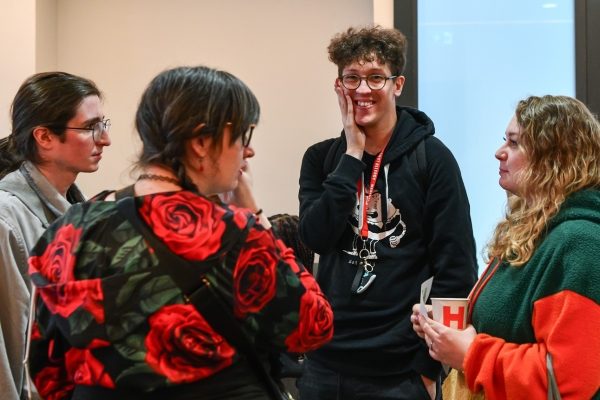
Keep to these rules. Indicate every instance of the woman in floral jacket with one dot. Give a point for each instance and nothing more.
(110, 324)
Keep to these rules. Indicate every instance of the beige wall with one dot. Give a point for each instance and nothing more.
(278, 47)
(17, 50)
(45, 35)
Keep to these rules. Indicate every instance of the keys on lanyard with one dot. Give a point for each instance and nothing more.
(364, 275)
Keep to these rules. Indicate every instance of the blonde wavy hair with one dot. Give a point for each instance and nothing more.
(561, 140)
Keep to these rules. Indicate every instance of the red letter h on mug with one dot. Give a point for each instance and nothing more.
(458, 317)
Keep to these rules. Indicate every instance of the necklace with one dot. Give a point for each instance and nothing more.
(155, 177)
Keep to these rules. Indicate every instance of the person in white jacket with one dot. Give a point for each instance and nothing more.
(58, 131)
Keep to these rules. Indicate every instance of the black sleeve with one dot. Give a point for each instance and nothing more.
(449, 237)
(326, 200)
(451, 246)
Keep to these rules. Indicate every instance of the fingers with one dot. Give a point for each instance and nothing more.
(345, 103)
(355, 137)
(447, 345)
(341, 100)
(431, 327)
(415, 309)
(431, 331)
(349, 109)
(414, 318)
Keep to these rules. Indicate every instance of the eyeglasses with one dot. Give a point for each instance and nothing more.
(374, 82)
(97, 128)
(247, 136)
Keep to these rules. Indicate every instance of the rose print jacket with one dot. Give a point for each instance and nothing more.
(105, 316)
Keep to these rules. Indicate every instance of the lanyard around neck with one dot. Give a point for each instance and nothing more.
(364, 231)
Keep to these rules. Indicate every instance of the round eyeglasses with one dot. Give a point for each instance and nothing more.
(97, 129)
(374, 81)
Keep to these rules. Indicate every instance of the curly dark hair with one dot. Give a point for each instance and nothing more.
(285, 226)
(387, 46)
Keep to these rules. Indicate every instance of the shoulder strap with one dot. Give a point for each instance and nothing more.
(418, 164)
(219, 316)
(119, 194)
(127, 191)
(553, 393)
(205, 299)
(329, 163)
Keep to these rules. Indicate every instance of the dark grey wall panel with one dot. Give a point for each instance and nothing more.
(405, 20)
(587, 52)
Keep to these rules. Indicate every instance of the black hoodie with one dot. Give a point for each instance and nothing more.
(424, 230)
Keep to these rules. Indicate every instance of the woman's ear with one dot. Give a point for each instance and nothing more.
(200, 146)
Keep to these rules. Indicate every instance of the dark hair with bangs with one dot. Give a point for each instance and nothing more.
(185, 102)
(388, 46)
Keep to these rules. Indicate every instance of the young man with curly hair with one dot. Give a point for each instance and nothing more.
(385, 207)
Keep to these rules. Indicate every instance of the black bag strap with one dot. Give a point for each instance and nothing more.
(333, 154)
(127, 191)
(553, 392)
(205, 299)
(418, 164)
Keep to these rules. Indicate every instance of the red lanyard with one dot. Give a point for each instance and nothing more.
(364, 231)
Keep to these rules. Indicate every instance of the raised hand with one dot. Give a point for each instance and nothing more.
(242, 195)
(414, 319)
(355, 137)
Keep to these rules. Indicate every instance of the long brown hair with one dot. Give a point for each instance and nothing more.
(45, 99)
(561, 139)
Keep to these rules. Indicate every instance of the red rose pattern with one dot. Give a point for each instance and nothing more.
(35, 331)
(51, 385)
(57, 262)
(190, 225)
(315, 322)
(85, 369)
(180, 343)
(240, 216)
(287, 254)
(255, 274)
(183, 347)
(65, 299)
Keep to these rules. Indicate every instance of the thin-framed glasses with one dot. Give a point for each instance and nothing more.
(97, 129)
(374, 81)
(247, 136)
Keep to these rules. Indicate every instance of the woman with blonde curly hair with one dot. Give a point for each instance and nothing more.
(536, 309)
